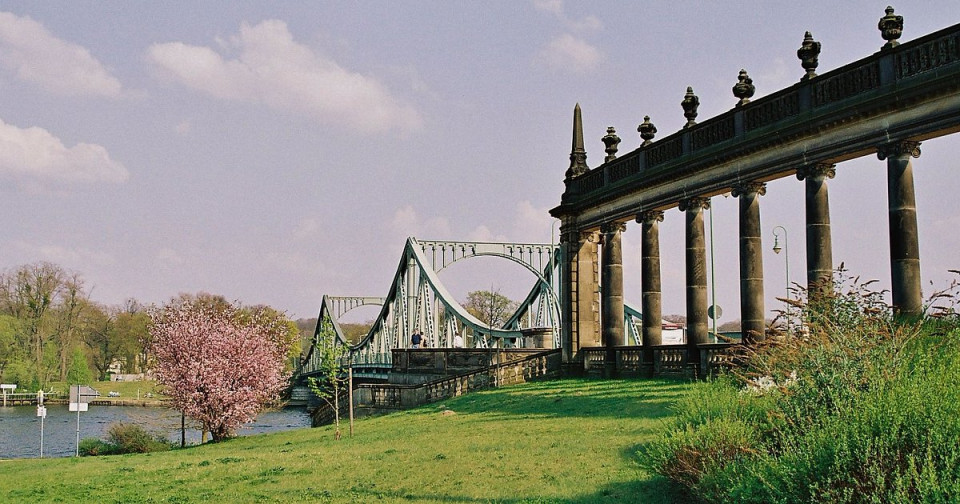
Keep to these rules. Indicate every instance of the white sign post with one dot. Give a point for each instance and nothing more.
(42, 413)
(80, 395)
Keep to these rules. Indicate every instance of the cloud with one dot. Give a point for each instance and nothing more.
(33, 155)
(71, 257)
(61, 67)
(534, 225)
(184, 127)
(406, 223)
(275, 70)
(483, 234)
(567, 52)
(555, 7)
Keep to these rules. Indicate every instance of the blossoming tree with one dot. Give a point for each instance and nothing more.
(218, 363)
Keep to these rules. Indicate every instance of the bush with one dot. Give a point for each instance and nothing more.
(125, 438)
(92, 447)
(131, 438)
(859, 407)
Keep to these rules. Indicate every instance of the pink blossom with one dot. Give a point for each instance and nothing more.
(217, 366)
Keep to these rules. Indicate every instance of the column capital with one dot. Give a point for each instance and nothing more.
(650, 216)
(746, 188)
(694, 203)
(613, 227)
(589, 237)
(825, 170)
(899, 149)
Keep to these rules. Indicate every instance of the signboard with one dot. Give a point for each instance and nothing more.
(80, 395)
(8, 386)
(42, 411)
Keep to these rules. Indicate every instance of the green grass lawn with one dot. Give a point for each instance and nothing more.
(569, 441)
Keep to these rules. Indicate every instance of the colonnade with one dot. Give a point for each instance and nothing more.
(884, 103)
(592, 293)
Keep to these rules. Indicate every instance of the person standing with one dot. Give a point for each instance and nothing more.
(416, 340)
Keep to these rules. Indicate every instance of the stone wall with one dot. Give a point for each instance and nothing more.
(518, 366)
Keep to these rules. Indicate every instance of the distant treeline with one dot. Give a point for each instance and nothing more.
(51, 331)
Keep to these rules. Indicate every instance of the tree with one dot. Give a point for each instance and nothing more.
(78, 373)
(28, 293)
(490, 307)
(66, 314)
(101, 337)
(327, 384)
(219, 366)
(132, 332)
(10, 351)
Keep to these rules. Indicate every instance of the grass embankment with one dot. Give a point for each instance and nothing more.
(571, 441)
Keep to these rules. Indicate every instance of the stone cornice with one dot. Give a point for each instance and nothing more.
(910, 92)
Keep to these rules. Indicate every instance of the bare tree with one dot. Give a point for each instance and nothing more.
(490, 307)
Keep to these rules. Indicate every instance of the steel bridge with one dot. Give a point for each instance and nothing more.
(418, 302)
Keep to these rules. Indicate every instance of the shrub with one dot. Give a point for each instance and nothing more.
(858, 407)
(125, 438)
(92, 447)
(131, 438)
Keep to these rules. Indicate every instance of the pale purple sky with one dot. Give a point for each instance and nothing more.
(273, 152)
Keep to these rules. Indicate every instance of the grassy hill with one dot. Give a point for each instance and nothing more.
(570, 441)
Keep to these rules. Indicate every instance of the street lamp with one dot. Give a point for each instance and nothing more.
(786, 257)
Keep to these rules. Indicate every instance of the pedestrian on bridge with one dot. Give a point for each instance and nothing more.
(416, 340)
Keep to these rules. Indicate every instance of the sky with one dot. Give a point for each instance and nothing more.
(275, 152)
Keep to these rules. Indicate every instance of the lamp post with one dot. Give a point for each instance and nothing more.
(713, 283)
(786, 256)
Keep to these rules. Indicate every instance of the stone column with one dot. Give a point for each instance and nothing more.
(569, 245)
(650, 286)
(819, 243)
(752, 321)
(696, 261)
(612, 293)
(904, 238)
(579, 293)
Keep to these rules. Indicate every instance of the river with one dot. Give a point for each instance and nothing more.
(20, 426)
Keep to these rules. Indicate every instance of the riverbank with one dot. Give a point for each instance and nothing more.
(20, 427)
(559, 441)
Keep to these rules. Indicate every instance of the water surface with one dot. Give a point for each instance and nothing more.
(20, 426)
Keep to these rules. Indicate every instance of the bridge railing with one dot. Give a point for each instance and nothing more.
(662, 360)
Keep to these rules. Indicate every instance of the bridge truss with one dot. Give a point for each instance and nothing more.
(417, 301)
